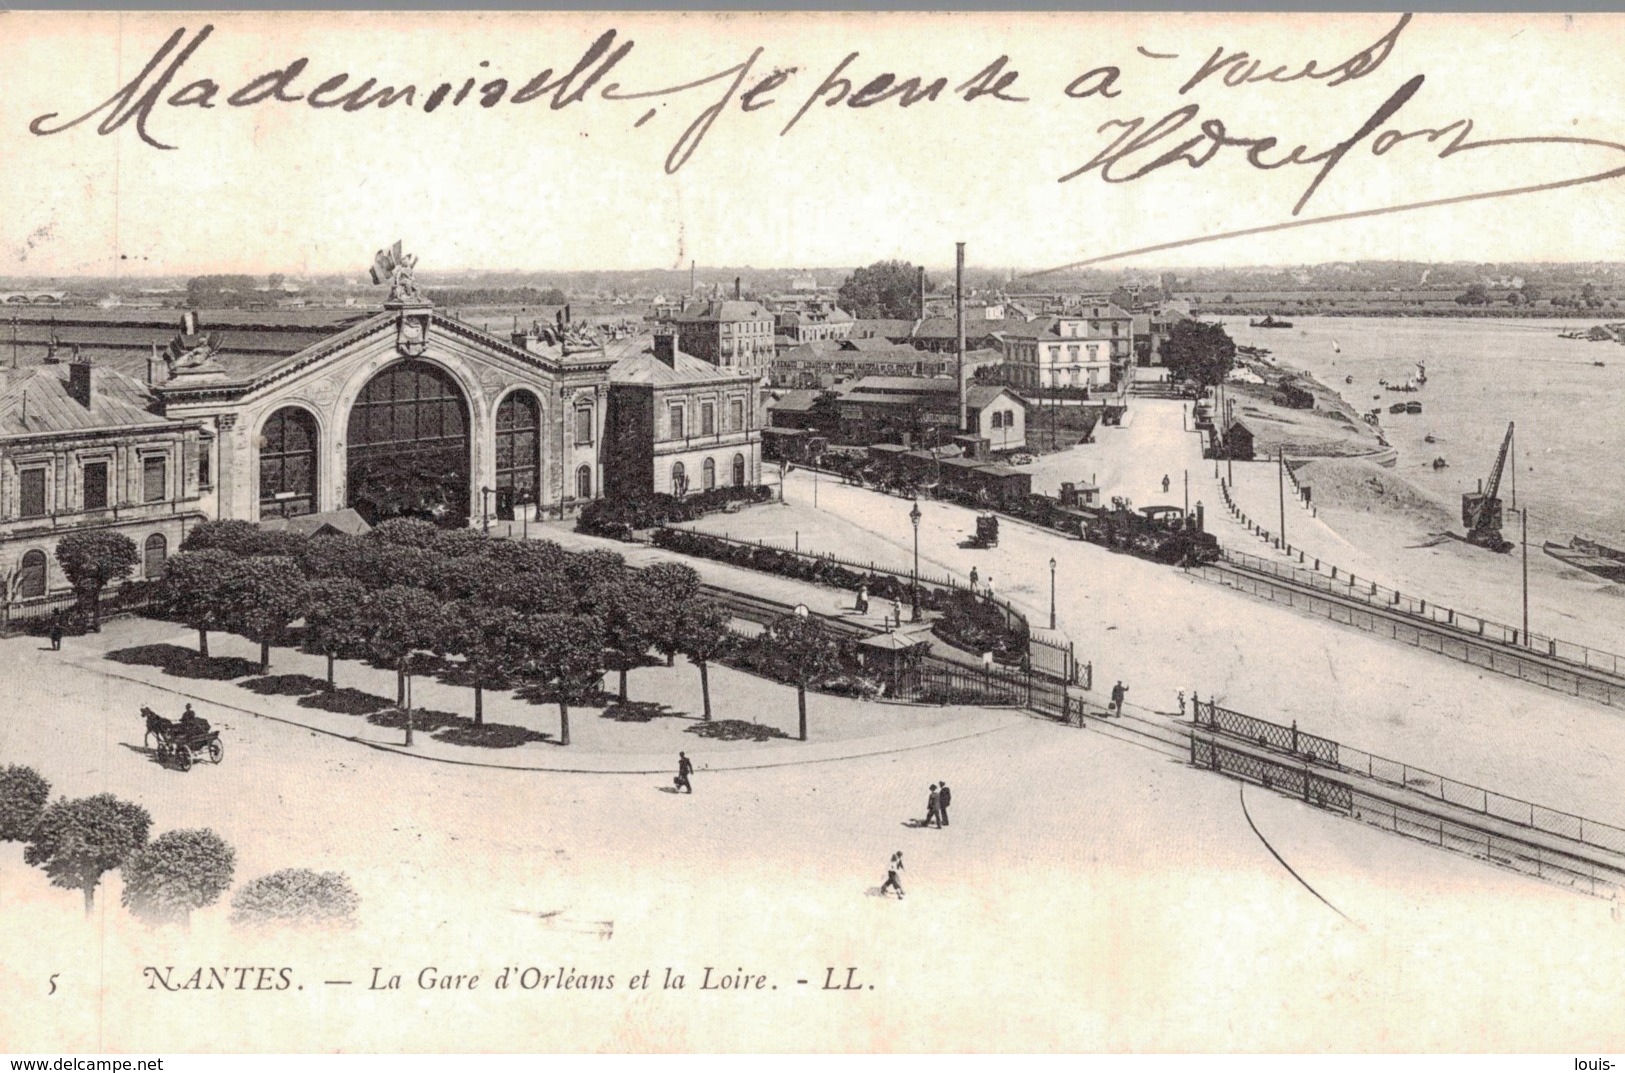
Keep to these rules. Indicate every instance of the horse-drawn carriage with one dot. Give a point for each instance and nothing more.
(182, 742)
(987, 532)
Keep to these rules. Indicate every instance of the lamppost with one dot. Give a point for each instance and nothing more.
(1052, 594)
(914, 517)
(485, 509)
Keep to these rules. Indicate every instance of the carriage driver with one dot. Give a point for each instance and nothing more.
(192, 725)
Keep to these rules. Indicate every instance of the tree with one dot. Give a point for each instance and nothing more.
(491, 642)
(296, 896)
(93, 559)
(77, 842)
(275, 281)
(675, 587)
(802, 649)
(195, 585)
(23, 794)
(567, 656)
(398, 622)
(263, 595)
(179, 871)
(334, 626)
(886, 290)
(1199, 350)
(705, 636)
(626, 609)
(1476, 294)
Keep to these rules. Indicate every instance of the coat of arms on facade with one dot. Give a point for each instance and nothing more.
(395, 268)
(412, 334)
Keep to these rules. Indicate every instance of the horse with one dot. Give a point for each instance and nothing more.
(157, 726)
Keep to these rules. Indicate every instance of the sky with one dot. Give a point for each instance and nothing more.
(283, 186)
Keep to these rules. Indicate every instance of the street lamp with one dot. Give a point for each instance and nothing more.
(914, 516)
(485, 509)
(1052, 594)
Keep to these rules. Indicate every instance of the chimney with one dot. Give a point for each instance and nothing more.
(189, 323)
(157, 368)
(666, 348)
(738, 294)
(959, 331)
(921, 295)
(519, 337)
(79, 379)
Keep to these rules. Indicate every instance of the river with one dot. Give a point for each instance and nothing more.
(1483, 373)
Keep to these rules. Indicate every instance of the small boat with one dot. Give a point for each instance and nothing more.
(1440, 463)
(1588, 555)
(1397, 408)
(1348, 379)
(1413, 407)
(1429, 438)
(1600, 364)
(1269, 322)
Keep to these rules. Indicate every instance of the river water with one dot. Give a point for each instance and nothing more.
(1483, 373)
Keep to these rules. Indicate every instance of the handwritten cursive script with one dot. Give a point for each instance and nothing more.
(1135, 147)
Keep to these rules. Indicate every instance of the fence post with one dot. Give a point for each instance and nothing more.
(1193, 750)
(1294, 735)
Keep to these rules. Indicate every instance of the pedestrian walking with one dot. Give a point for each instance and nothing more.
(933, 808)
(973, 581)
(56, 637)
(1119, 691)
(943, 798)
(685, 768)
(863, 600)
(897, 611)
(894, 871)
(1165, 482)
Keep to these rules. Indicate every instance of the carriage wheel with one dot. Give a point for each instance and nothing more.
(217, 752)
(183, 757)
(163, 751)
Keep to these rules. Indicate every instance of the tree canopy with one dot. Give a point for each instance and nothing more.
(176, 873)
(1200, 351)
(76, 842)
(93, 559)
(23, 795)
(296, 897)
(886, 290)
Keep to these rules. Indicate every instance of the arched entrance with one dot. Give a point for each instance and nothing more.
(407, 450)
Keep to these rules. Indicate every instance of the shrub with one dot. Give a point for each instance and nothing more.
(176, 873)
(23, 795)
(296, 897)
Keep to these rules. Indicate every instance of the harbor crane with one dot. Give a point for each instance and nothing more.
(1481, 510)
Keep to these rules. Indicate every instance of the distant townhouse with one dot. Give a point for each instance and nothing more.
(1091, 349)
(914, 411)
(732, 334)
(806, 320)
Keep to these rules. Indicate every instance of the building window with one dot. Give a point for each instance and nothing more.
(154, 553)
(1009, 419)
(584, 482)
(1072, 353)
(679, 479)
(1115, 327)
(33, 493)
(154, 479)
(998, 419)
(677, 423)
(709, 471)
(205, 454)
(739, 471)
(519, 440)
(31, 575)
(583, 425)
(708, 418)
(287, 463)
(95, 485)
(736, 415)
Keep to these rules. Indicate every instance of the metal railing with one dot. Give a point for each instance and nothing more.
(1328, 753)
(1327, 577)
(1292, 589)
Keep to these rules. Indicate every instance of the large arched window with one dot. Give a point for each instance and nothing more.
(679, 479)
(709, 469)
(154, 553)
(408, 445)
(32, 575)
(739, 471)
(519, 442)
(584, 482)
(288, 463)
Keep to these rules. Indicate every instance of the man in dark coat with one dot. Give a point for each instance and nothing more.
(933, 808)
(1118, 692)
(56, 637)
(893, 881)
(685, 768)
(943, 798)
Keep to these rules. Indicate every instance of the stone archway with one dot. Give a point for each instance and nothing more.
(408, 448)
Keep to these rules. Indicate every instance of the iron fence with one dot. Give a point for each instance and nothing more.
(1287, 739)
(1271, 774)
(21, 616)
(1586, 683)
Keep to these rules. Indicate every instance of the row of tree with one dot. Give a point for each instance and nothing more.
(78, 841)
(491, 613)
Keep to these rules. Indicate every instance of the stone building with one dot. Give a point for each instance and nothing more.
(728, 333)
(677, 424)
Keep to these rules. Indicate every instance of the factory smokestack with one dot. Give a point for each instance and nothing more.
(959, 331)
(921, 294)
